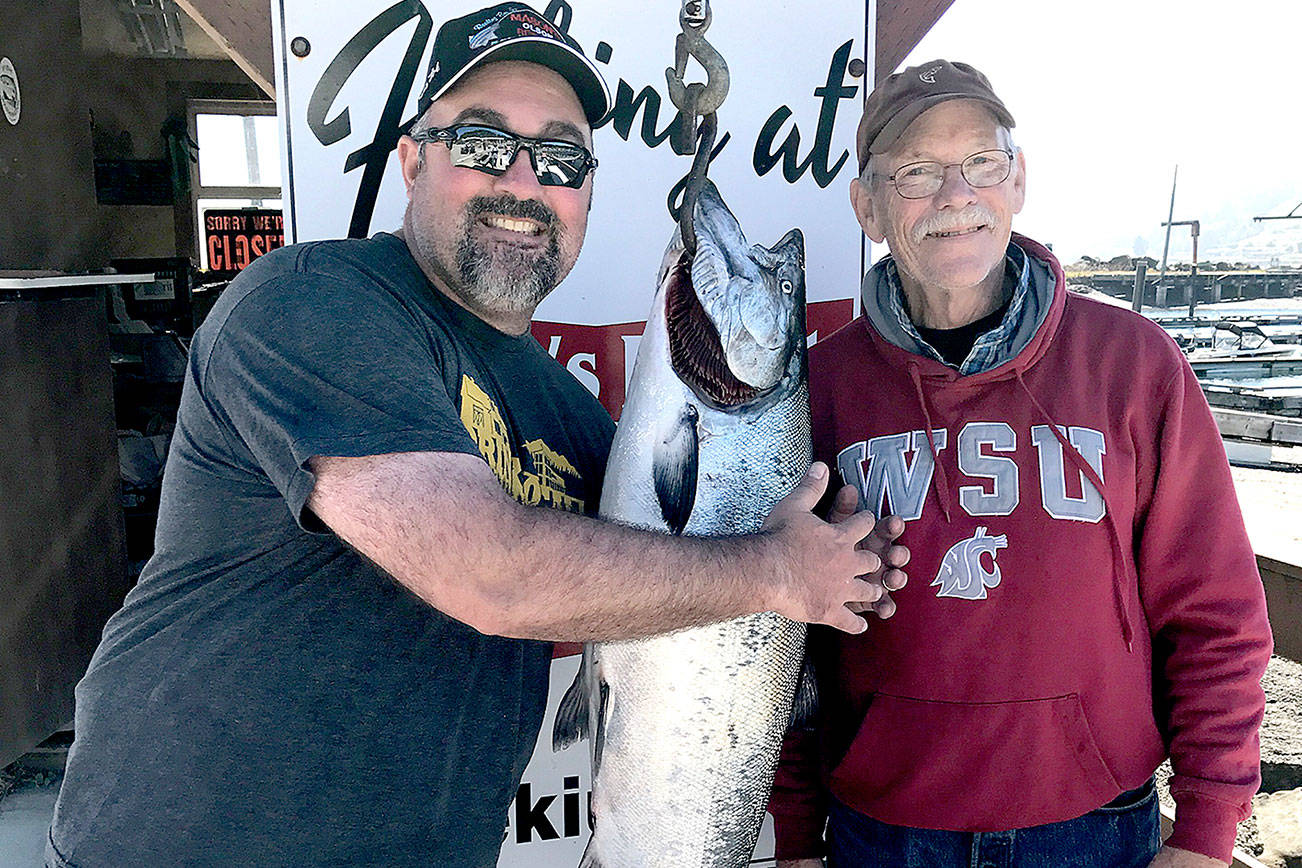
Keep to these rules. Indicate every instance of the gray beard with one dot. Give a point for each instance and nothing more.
(499, 277)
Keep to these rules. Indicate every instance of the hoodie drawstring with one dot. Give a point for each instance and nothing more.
(1121, 569)
(939, 481)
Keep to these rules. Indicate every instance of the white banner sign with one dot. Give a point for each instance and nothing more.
(348, 73)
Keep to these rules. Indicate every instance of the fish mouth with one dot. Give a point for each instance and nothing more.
(695, 350)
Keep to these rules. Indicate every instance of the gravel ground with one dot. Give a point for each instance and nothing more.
(1273, 833)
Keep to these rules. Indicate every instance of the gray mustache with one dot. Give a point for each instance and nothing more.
(945, 221)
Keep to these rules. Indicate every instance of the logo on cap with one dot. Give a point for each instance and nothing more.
(511, 25)
(538, 25)
(929, 76)
(490, 21)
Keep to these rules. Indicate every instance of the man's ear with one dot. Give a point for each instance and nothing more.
(408, 160)
(861, 200)
(1019, 181)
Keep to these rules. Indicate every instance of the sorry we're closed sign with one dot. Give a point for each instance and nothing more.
(236, 238)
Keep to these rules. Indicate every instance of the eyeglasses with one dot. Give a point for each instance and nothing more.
(923, 179)
(492, 151)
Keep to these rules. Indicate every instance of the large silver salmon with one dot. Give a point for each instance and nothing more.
(685, 728)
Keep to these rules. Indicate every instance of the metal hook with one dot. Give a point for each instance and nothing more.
(691, 43)
(695, 181)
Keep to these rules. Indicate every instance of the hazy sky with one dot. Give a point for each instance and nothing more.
(1109, 95)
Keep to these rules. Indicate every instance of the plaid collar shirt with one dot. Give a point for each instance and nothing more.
(986, 352)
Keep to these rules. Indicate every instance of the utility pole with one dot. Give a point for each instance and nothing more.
(1166, 245)
(1137, 297)
(1193, 274)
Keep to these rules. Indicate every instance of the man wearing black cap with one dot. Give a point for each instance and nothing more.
(313, 669)
(1089, 602)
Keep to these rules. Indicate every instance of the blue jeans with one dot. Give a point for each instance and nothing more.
(1125, 833)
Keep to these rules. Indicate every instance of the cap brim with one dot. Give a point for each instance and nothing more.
(896, 126)
(580, 72)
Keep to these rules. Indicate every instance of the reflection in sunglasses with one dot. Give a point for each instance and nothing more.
(487, 149)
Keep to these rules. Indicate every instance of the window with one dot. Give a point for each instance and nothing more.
(239, 159)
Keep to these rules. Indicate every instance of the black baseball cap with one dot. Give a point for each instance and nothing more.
(511, 31)
(897, 101)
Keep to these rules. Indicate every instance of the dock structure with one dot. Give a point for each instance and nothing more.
(1270, 495)
(1258, 427)
(1253, 401)
(1212, 286)
(1271, 500)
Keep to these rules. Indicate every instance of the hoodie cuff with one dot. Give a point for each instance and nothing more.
(1204, 825)
(798, 837)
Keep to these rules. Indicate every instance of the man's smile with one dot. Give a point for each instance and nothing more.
(520, 226)
(956, 233)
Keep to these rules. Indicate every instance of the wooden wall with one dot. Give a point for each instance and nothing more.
(62, 558)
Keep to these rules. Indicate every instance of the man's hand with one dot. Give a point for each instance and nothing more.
(823, 560)
(1174, 857)
(891, 575)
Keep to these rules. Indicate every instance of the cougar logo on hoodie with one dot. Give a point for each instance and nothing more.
(962, 573)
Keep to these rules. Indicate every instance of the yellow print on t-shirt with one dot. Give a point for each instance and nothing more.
(545, 486)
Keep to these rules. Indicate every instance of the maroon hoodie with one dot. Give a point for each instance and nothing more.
(1082, 598)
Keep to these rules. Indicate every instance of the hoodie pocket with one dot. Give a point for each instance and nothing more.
(973, 766)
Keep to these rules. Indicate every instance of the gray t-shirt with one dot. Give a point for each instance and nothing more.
(267, 696)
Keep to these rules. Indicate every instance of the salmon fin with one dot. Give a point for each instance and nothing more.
(572, 714)
(805, 704)
(675, 458)
(599, 739)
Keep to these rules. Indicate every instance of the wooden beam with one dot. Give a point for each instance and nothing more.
(1283, 584)
(1258, 426)
(243, 30)
(901, 24)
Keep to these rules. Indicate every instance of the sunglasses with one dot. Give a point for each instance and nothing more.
(490, 150)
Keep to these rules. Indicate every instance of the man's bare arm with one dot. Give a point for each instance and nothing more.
(441, 525)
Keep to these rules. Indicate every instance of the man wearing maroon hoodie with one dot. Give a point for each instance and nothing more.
(1093, 604)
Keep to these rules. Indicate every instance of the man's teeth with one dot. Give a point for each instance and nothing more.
(511, 224)
(955, 232)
